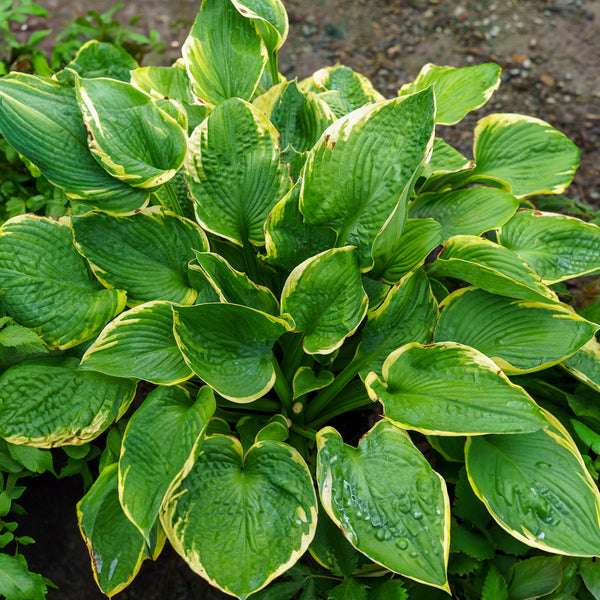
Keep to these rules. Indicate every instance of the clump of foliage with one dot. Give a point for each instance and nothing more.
(353, 332)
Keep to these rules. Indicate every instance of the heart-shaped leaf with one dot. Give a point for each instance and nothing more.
(537, 487)
(101, 59)
(41, 119)
(146, 254)
(457, 91)
(229, 346)
(48, 287)
(139, 343)
(557, 247)
(49, 402)
(383, 145)
(519, 335)
(159, 447)
(325, 297)
(240, 520)
(234, 171)
(450, 389)
(390, 504)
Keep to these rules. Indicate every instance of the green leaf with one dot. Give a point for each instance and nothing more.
(50, 402)
(325, 297)
(163, 82)
(457, 91)
(391, 589)
(48, 286)
(306, 381)
(101, 59)
(233, 286)
(589, 569)
(382, 146)
(229, 347)
(146, 254)
(536, 486)
(535, 577)
(451, 389)
(224, 54)
(558, 247)
(289, 240)
(471, 543)
(446, 159)
(270, 19)
(139, 343)
(234, 172)
(387, 500)
(408, 314)
(159, 447)
(585, 364)
(519, 336)
(494, 587)
(15, 335)
(408, 251)
(17, 582)
(33, 459)
(527, 153)
(116, 547)
(41, 119)
(355, 90)
(466, 505)
(490, 267)
(470, 211)
(349, 589)
(240, 520)
(129, 135)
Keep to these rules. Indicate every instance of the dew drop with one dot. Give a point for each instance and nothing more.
(417, 515)
(381, 535)
(413, 555)
(402, 544)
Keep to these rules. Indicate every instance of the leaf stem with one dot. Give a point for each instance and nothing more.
(305, 432)
(250, 262)
(292, 355)
(170, 200)
(282, 389)
(353, 401)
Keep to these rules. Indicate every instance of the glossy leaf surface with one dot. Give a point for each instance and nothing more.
(387, 500)
(519, 335)
(229, 347)
(240, 521)
(145, 254)
(537, 487)
(234, 171)
(450, 389)
(357, 207)
(457, 91)
(139, 343)
(325, 297)
(160, 444)
(48, 287)
(50, 402)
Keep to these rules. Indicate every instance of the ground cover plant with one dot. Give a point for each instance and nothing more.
(353, 334)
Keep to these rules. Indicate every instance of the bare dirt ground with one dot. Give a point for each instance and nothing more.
(550, 54)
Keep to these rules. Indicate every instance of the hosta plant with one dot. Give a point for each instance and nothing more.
(351, 332)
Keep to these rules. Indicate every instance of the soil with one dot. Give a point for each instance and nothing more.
(549, 51)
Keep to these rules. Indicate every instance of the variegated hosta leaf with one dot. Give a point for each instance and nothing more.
(387, 500)
(518, 335)
(325, 297)
(230, 347)
(355, 90)
(224, 54)
(234, 171)
(306, 381)
(240, 520)
(161, 442)
(270, 18)
(47, 286)
(537, 487)
(457, 91)
(101, 59)
(41, 119)
(557, 247)
(450, 389)
(49, 402)
(116, 547)
(233, 286)
(446, 159)
(145, 254)
(585, 364)
(382, 145)
(469, 211)
(408, 314)
(490, 267)
(129, 135)
(525, 152)
(408, 251)
(289, 240)
(139, 343)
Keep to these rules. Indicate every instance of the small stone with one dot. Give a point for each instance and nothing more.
(495, 31)
(532, 43)
(519, 58)
(526, 63)
(547, 80)
(550, 100)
